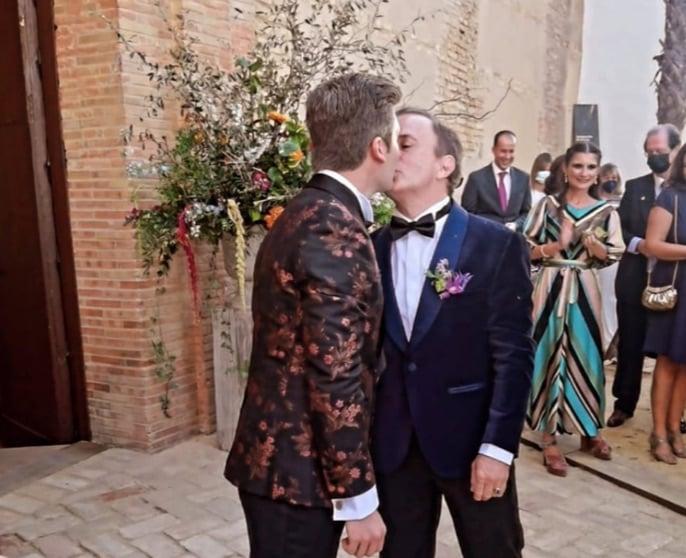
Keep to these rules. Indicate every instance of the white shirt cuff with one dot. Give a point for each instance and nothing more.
(633, 245)
(356, 507)
(499, 454)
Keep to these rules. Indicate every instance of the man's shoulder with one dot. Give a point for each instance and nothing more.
(479, 172)
(488, 230)
(639, 182)
(519, 172)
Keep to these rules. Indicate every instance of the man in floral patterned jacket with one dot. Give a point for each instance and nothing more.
(301, 457)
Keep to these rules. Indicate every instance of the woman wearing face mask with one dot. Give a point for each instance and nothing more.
(611, 190)
(540, 170)
(611, 186)
(571, 233)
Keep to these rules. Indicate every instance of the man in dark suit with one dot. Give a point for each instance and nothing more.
(452, 399)
(499, 191)
(301, 456)
(640, 193)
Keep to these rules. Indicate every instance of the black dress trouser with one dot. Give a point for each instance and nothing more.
(632, 321)
(410, 500)
(281, 530)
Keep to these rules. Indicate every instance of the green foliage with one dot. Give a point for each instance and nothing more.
(241, 137)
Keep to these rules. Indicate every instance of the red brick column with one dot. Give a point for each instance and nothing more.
(101, 93)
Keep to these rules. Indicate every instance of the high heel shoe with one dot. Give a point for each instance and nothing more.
(597, 447)
(661, 450)
(677, 444)
(555, 463)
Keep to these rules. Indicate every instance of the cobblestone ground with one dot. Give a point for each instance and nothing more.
(121, 503)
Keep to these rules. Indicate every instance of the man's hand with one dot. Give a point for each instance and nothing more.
(489, 478)
(364, 537)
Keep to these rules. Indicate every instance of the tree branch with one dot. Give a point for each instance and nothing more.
(466, 114)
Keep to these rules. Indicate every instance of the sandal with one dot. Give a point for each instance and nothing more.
(677, 443)
(661, 450)
(555, 463)
(597, 447)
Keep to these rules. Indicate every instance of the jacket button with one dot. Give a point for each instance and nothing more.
(339, 505)
(412, 367)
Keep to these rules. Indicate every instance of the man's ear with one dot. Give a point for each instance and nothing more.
(378, 150)
(446, 166)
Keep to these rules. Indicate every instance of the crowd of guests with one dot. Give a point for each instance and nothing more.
(579, 219)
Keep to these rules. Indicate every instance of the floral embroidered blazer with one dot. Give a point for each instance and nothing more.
(303, 431)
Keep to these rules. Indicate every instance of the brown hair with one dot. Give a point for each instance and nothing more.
(676, 173)
(541, 161)
(448, 143)
(579, 147)
(554, 182)
(344, 115)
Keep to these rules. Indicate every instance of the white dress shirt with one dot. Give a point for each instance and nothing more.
(507, 178)
(634, 242)
(362, 505)
(411, 257)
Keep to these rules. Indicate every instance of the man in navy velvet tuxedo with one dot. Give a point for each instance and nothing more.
(451, 403)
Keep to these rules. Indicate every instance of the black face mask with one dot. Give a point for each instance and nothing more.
(658, 162)
(609, 186)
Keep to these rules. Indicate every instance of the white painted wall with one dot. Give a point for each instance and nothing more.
(620, 38)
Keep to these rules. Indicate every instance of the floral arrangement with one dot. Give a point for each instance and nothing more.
(242, 141)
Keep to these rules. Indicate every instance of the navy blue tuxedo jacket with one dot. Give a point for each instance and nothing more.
(464, 377)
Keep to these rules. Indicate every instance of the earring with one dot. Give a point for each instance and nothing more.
(566, 181)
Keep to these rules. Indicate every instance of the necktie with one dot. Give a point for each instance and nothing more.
(425, 225)
(502, 192)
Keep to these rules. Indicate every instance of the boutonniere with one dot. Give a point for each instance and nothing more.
(447, 282)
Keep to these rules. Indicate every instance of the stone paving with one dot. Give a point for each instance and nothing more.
(121, 503)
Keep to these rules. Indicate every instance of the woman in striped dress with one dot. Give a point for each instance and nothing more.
(571, 235)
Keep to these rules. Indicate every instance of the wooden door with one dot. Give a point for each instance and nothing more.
(42, 395)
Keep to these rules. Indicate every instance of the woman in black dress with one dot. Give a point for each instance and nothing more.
(666, 335)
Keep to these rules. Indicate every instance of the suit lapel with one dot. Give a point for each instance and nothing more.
(392, 320)
(515, 192)
(449, 247)
(493, 189)
(647, 197)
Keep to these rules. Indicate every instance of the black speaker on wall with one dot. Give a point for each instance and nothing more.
(585, 124)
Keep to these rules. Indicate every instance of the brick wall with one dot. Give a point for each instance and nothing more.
(101, 93)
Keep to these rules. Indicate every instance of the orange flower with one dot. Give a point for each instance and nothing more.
(272, 216)
(296, 157)
(277, 117)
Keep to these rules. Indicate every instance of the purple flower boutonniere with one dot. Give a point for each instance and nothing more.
(447, 282)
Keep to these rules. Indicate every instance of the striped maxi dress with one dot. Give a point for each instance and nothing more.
(568, 393)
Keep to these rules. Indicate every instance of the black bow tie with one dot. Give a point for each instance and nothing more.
(425, 225)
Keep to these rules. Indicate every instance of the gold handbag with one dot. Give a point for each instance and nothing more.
(661, 299)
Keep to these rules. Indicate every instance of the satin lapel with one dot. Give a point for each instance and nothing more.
(493, 189)
(393, 323)
(449, 248)
(648, 198)
(515, 191)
